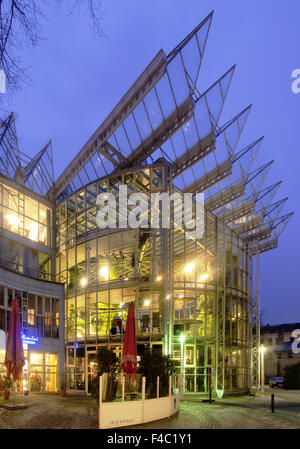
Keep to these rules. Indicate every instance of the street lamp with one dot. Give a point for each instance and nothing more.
(262, 366)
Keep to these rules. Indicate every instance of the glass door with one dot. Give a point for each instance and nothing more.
(91, 366)
(70, 367)
(75, 368)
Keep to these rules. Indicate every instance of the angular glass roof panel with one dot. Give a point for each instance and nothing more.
(84, 178)
(77, 182)
(178, 143)
(122, 140)
(202, 118)
(142, 121)
(192, 62)
(178, 80)
(9, 149)
(202, 34)
(266, 195)
(107, 165)
(97, 165)
(153, 109)
(190, 133)
(132, 133)
(233, 130)
(165, 96)
(39, 172)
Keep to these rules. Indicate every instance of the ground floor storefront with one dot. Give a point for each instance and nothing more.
(41, 306)
(195, 361)
(40, 373)
(81, 363)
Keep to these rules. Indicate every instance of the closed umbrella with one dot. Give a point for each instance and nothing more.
(14, 357)
(129, 355)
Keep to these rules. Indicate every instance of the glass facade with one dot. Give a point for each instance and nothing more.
(25, 216)
(196, 289)
(196, 298)
(20, 214)
(42, 312)
(43, 372)
(40, 372)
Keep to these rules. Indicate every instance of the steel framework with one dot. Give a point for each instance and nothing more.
(167, 116)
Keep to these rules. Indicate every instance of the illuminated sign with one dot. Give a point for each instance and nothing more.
(30, 340)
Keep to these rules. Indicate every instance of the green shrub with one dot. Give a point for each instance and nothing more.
(154, 364)
(107, 362)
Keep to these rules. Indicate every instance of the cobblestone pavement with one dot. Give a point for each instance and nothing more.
(243, 412)
(49, 411)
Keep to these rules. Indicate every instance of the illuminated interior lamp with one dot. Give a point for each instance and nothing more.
(182, 338)
(203, 277)
(104, 272)
(189, 267)
(147, 302)
(83, 282)
(34, 231)
(262, 350)
(158, 278)
(126, 278)
(12, 219)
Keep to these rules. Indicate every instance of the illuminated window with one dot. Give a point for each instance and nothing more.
(25, 216)
(36, 358)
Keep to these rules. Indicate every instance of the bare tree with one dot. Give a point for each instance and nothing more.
(20, 27)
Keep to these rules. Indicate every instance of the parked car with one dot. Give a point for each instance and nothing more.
(276, 382)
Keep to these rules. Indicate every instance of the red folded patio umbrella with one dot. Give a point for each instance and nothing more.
(129, 356)
(14, 357)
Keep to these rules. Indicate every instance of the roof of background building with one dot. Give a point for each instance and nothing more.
(276, 328)
(287, 346)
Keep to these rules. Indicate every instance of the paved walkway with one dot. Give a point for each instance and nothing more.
(49, 411)
(242, 412)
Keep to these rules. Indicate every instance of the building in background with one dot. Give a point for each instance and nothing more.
(196, 299)
(27, 263)
(278, 340)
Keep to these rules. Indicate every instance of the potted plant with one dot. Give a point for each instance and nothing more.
(107, 362)
(7, 383)
(36, 382)
(62, 388)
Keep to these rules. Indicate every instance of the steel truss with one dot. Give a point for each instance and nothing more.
(167, 115)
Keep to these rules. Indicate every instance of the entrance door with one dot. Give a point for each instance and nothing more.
(91, 366)
(70, 367)
(75, 368)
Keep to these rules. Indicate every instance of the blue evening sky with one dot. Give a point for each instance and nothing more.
(76, 79)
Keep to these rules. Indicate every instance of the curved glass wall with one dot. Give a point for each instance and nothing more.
(190, 295)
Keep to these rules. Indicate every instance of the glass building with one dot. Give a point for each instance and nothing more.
(196, 296)
(27, 263)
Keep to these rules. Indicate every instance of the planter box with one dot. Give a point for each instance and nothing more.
(129, 413)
